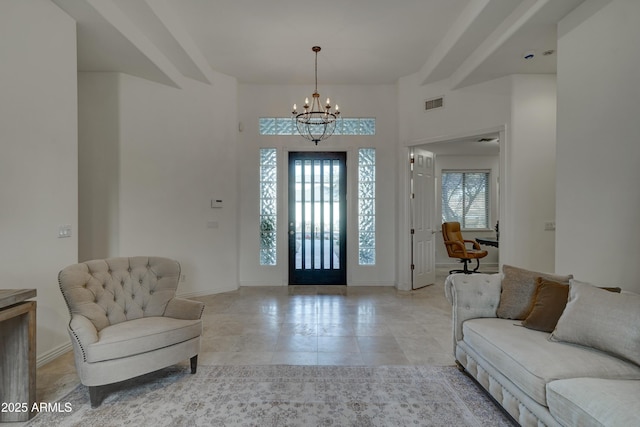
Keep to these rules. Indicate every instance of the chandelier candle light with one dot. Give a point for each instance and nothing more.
(316, 123)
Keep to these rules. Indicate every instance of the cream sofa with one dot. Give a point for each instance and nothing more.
(126, 320)
(544, 379)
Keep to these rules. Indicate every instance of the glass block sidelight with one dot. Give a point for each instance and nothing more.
(268, 205)
(344, 126)
(367, 206)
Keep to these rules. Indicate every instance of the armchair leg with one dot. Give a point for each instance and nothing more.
(96, 395)
(194, 364)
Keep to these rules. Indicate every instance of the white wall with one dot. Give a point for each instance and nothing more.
(98, 165)
(169, 152)
(530, 177)
(485, 163)
(524, 105)
(598, 201)
(38, 166)
(355, 101)
(467, 110)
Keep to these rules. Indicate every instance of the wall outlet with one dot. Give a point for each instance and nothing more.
(183, 278)
(550, 225)
(64, 231)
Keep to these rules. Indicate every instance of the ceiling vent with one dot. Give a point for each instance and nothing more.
(432, 104)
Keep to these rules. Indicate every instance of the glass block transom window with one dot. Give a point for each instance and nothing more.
(345, 126)
(367, 206)
(268, 205)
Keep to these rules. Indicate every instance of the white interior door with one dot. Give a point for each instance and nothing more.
(423, 251)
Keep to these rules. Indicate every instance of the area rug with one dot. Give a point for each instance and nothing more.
(282, 395)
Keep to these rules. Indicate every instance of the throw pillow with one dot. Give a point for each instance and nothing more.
(603, 320)
(549, 302)
(518, 288)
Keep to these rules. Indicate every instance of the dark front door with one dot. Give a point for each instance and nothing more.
(317, 218)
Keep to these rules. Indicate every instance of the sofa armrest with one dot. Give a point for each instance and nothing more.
(186, 309)
(472, 296)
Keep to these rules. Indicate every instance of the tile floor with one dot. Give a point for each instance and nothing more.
(308, 325)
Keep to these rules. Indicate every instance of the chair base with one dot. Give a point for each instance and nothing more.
(465, 269)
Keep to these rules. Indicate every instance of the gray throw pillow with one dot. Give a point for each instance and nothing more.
(518, 291)
(603, 320)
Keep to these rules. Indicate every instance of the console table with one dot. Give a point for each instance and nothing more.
(17, 354)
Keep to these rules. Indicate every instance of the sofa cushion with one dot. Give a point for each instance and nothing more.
(141, 335)
(603, 320)
(594, 402)
(518, 288)
(530, 360)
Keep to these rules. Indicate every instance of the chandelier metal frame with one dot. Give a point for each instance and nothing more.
(316, 123)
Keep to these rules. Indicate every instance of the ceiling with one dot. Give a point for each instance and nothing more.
(363, 41)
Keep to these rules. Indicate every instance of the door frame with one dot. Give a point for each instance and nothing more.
(344, 208)
(404, 229)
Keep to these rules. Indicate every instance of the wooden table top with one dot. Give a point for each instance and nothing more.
(13, 296)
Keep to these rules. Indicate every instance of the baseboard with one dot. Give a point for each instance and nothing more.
(261, 283)
(53, 354)
(202, 293)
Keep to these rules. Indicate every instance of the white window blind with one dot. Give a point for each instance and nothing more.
(465, 198)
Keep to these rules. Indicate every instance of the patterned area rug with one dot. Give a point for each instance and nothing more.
(285, 396)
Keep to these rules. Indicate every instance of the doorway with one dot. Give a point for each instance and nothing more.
(317, 218)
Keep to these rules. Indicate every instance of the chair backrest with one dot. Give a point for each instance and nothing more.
(114, 290)
(451, 232)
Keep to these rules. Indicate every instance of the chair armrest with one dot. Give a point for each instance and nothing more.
(472, 296)
(83, 330)
(186, 309)
(475, 244)
(460, 245)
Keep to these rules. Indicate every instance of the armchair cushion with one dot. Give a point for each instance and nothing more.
(137, 336)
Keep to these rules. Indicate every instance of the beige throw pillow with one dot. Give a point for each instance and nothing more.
(603, 320)
(518, 290)
(548, 305)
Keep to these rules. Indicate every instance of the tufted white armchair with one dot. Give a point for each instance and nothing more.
(126, 320)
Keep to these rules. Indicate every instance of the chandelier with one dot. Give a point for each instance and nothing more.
(316, 123)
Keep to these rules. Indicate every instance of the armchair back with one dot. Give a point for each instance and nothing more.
(115, 290)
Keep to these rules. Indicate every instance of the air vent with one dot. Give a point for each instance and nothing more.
(431, 104)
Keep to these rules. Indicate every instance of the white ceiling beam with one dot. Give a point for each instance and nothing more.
(451, 39)
(116, 18)
(523, 13)
(167, 17)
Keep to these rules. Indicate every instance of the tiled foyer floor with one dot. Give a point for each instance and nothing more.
(308, 325)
